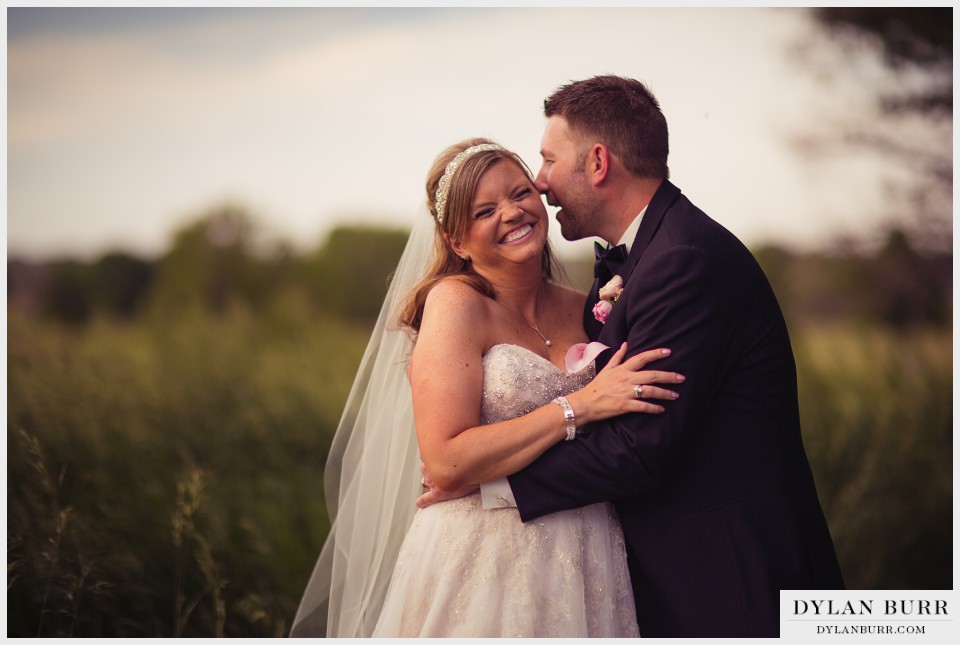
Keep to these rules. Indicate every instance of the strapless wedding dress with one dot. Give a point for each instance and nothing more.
(469, 572)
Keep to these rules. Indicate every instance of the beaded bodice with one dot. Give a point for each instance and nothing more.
(517, 381)
(464, 571)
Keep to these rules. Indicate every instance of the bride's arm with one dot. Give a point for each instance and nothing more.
(446, 377)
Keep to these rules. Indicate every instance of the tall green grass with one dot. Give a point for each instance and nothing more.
(165, 477)
(877, 413)
(167, 480)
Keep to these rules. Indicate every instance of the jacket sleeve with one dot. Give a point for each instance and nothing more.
(677, 299)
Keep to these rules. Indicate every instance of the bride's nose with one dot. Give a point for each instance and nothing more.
(511, 212)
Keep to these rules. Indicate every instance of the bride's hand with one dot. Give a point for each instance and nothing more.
(624, 386)
(432, 494)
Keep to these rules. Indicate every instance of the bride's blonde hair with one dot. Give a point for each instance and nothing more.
(453, 220)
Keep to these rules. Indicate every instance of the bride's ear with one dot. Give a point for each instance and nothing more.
(456, 247)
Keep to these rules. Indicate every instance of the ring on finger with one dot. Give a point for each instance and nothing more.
(638, 391)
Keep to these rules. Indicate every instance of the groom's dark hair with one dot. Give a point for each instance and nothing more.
(622, 114)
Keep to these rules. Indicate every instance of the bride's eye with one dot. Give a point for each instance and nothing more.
(522, 193)
(482, 213)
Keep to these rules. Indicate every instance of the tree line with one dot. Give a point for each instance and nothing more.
(222, 261)
(218, 262)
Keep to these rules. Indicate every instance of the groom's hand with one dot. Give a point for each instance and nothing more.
(434, 494)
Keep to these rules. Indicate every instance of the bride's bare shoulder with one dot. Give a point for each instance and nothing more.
(454, 299)
(453, 289)
(456, 321)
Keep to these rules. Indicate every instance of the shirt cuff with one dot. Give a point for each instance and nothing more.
(497, 494)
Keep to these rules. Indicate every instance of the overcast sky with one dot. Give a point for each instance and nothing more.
(126, 123)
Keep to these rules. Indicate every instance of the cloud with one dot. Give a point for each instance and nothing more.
(312, 115)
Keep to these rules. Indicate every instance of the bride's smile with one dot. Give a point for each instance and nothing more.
(508, 220)
(517, 234)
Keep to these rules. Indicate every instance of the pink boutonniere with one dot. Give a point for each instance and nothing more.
(609, 293)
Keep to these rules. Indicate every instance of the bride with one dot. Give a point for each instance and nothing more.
(490, 367)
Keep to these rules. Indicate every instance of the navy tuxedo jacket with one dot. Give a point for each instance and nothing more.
(715, 495)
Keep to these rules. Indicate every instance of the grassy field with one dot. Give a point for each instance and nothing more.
(877, 413)
(165, 478)
(168, 480)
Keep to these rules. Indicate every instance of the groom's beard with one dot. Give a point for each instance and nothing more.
(579, 208)
(569, 231)
(578, 216)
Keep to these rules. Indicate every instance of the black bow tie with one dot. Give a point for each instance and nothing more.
(608, 262)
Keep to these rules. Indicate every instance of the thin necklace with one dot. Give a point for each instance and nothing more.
(540, 333)
(537, 329)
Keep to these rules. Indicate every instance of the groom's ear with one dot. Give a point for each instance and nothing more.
(598, 164)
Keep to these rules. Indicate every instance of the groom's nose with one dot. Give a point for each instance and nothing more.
(541, 182)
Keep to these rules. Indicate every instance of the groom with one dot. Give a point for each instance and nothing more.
(716, 497)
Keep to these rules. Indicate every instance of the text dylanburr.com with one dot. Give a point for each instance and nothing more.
(899, 614)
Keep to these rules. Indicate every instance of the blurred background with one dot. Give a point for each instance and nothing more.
(204, 206)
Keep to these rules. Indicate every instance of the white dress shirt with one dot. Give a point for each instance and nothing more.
(498, 494)
(631, 233)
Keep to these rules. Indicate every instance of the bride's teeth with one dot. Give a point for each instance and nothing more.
(518, 234)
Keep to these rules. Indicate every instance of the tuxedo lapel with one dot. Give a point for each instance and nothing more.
(591, 325)
(665, 196)
(661, 201)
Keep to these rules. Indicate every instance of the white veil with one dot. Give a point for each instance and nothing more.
(372, 476)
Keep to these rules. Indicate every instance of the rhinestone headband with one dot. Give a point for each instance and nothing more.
(452, 168)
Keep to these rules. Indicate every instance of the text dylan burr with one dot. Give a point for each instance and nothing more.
(867, 608)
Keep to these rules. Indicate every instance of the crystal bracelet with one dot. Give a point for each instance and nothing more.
(568, 416)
